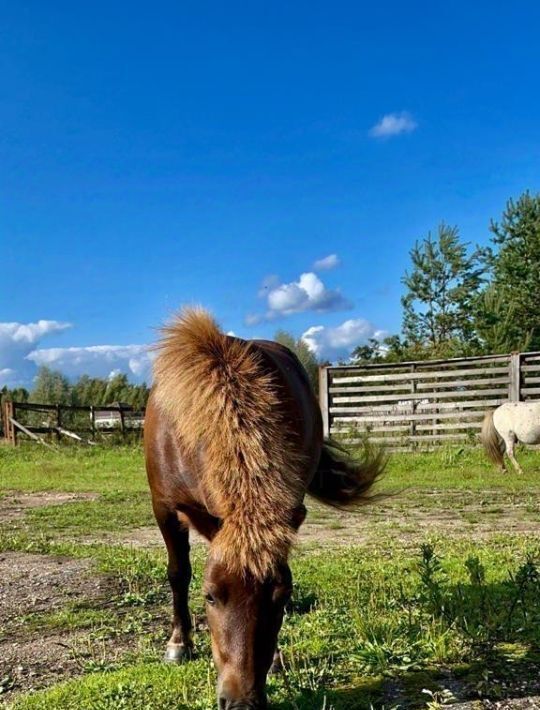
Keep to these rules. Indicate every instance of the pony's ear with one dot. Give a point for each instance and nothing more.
(298, 516)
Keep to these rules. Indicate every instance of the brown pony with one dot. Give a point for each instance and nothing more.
(233, 441)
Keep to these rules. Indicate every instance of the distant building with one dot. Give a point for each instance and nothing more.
(112, 418)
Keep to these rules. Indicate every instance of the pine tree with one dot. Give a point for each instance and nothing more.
(515, 269)
(441, 288)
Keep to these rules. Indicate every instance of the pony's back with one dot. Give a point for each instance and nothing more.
(226, 404)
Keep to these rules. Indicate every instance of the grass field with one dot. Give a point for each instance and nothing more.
(430, 594)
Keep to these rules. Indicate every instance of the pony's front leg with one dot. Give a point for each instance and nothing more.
(176, 536)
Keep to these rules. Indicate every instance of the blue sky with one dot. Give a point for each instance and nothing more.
(156, 154)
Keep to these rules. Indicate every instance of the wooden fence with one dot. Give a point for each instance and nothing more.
(80, 423)
(420, 404)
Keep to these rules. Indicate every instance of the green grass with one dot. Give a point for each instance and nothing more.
(121, 469)
(458, 468)
(73, 469)
(110, 512)
(368, 626)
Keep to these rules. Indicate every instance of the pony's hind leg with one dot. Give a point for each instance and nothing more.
(176, 536)
(510, 441)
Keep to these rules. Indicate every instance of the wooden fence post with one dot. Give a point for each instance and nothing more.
(58, 422)
(412, 426)
(10, 432)
(93, 420)
(514, 372)
(323, 400)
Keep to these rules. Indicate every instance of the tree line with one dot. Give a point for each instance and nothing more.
(52, 387)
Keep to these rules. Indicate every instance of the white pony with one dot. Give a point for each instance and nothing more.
(505, 426)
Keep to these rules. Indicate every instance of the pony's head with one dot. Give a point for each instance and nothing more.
(244, 616)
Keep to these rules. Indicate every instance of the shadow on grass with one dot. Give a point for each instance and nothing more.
(499, 675)
(302, 602)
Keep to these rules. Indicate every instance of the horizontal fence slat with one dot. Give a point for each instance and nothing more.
(465, 383)
(418, 397)
(420, 385)
(430, 363)
(378, 429)
(35, 407)
(419, 426)
(425, 408)
(373, 388)
(449, 426)
(352, 415)
(420, 438)
(408, 376)
(461, 416)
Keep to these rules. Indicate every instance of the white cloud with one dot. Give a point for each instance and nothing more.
(326, 263)
(17, 340)
(20, 355)
(338, 342)
(97, 360)
(393, 124)
(254, 318)
(307, 294)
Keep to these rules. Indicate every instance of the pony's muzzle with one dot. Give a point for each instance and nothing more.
(229, 704)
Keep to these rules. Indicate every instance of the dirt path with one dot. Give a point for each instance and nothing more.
(34, 584)
(14, 505)
(405, 520)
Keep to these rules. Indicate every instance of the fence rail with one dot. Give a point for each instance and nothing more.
(81, 423)
(424, 403)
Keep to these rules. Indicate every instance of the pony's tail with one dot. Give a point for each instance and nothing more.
(492, 441)
(341, 480)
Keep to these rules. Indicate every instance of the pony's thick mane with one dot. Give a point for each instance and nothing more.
(227, 409)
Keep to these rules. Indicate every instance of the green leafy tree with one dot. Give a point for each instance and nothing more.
(515, 270)
(441, 288)
(51, 387)
(99, 391)
(369, 353)
(303, 353)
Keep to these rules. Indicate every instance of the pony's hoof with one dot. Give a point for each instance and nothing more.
(178, 652)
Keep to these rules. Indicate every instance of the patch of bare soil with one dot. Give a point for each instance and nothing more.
(31, 584)
(137, 537)
(405, 520)
(13, 505)
(518, 690)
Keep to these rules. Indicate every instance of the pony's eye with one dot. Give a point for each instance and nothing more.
(282, 596)
(210, 599)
